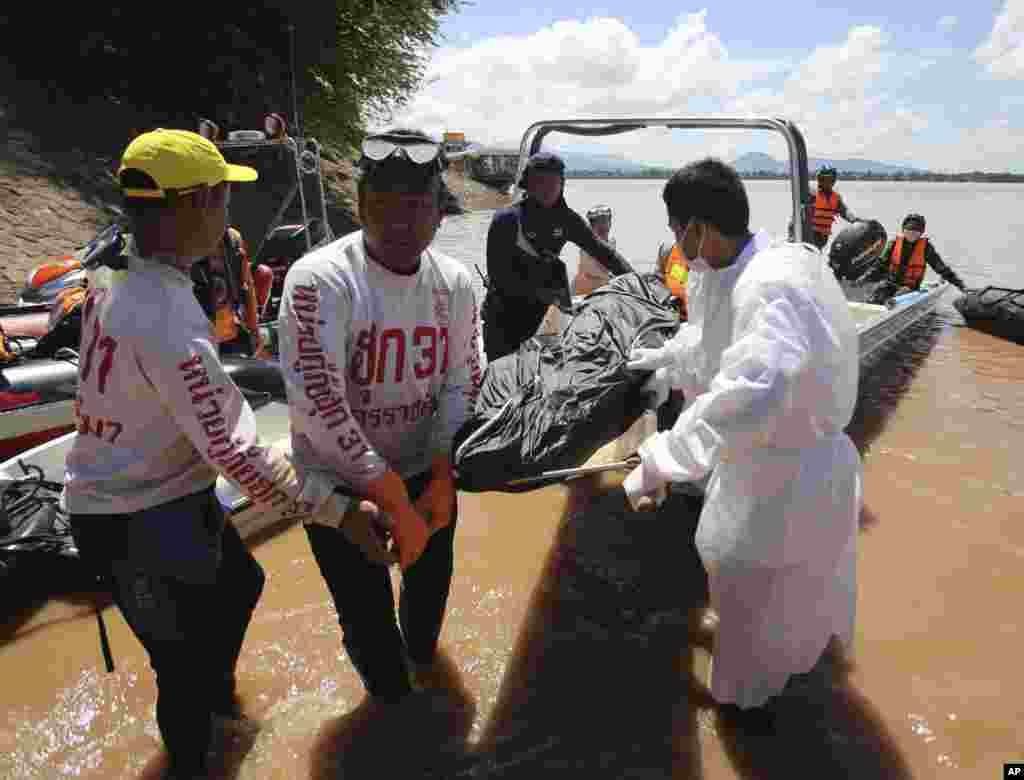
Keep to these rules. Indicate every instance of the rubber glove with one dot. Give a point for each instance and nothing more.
(437, 503)
(408, 529)
(647, 359)
(645, 490)
(657, 388)
(369, 529)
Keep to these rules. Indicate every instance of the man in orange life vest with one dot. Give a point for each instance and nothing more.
(672, 267)
(903, 263)
(675, 272)
(826, 205)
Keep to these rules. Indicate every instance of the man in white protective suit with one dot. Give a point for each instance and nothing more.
(768, 364)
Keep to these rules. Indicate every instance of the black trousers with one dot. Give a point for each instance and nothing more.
(191, 627)
(509, 323)
(669, 411)
(375, 642)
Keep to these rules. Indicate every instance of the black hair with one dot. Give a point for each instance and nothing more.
(140, 209)
(710, 191)
(414, 132)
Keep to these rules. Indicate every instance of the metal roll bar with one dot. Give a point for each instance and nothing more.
(534, 136)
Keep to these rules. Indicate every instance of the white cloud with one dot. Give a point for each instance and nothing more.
(845, 69)
(995, 146)
(496, 88)
(947, 23)
(1003, 52)
(850, 99)
(833, 96)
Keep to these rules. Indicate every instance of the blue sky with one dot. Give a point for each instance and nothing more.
(939, 85)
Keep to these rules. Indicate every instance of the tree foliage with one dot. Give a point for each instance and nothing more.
(230, 61)
(370, 63)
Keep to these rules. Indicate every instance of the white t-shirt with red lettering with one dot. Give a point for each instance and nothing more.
(381, 368)
(158, 417)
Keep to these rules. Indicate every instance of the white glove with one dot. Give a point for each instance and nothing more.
(657, 387)
(646, 359)
(644, 489)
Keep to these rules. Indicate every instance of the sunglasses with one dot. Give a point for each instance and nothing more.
(418, 151)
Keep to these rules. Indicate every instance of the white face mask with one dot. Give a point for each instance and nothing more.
(911, 235)
(698, 263)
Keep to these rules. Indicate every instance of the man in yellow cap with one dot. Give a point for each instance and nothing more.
(158, 419)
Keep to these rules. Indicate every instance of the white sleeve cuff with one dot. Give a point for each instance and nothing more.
(641, 481)
(657, 457)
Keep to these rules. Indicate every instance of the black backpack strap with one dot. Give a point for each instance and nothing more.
(233, 267)
(105, 249)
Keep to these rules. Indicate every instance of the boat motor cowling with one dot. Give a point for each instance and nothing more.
(856, 249)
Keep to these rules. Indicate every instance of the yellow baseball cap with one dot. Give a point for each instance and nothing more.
(178, 160)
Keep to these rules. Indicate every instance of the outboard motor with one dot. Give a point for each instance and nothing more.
(856, 249)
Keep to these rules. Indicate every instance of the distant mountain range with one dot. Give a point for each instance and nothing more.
(753, 162)
(581, 161)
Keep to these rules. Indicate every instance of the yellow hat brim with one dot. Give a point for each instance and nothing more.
(241, 173)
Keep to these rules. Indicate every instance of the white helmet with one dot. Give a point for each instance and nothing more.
(597, 212)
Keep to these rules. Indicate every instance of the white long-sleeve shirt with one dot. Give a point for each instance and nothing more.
(381, 368)
(158, 417)
(772, 362)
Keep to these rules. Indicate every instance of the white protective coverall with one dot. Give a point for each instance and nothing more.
(771, 366)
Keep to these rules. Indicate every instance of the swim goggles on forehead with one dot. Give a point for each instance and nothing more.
(417, 150)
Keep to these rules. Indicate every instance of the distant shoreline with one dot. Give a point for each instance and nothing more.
(976, 178)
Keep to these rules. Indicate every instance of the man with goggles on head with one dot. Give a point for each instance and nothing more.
(590, 274)
(525, 272)
(380, 356)
(905, 260)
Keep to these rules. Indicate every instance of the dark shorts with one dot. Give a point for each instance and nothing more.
(186, 585)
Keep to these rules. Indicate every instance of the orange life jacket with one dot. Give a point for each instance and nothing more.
(676, 274)
(916, 265)
(825, 210)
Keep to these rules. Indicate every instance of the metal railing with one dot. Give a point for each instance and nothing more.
(534, 136)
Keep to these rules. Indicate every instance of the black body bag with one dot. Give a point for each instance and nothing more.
(557, 400)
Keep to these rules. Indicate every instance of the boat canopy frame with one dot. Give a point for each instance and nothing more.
(306, 158)
(535, 134)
